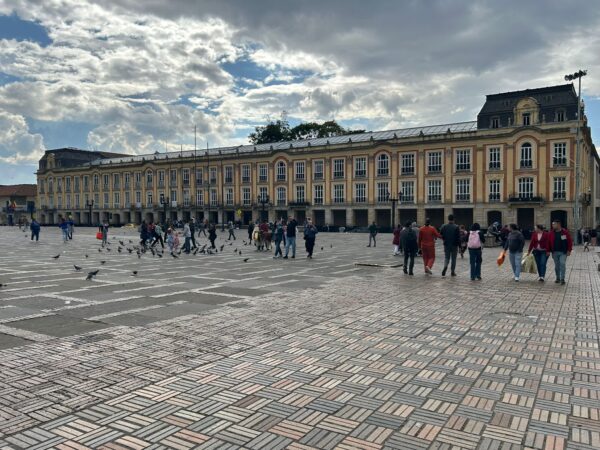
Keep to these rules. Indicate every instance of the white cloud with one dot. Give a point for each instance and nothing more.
(17, 144)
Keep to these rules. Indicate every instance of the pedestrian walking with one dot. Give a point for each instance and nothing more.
(475, 241)
(187, 235)
(396, 240)
(212, 234)
(231, 229)
(143, 233)
(409, 243)
(426, 241)
(35, 230)
(561, 246)
(64, 227)
(464, 238)
(290, 237)
(104, 230)
(451, 237)
(279, 236)
(70, 227)
(202, 228)
(372, 234)
(540, 247)
(250, 231)
(157, 237)
(310, 235)
(594, 237)
(192, 224)
(515, 241)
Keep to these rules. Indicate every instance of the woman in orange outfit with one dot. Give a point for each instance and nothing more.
(427, 237)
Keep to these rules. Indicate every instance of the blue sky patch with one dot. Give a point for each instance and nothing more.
(7, 79)
(13, 27)
(61, 134)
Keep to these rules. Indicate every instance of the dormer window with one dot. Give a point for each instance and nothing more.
(495, 123)
(560, 115)
(526, 119)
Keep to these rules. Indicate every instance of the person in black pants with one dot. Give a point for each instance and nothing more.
(192, 225)
(408, 241)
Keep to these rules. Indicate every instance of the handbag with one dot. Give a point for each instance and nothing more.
(500, 259)
(528, 264)
(99, 235)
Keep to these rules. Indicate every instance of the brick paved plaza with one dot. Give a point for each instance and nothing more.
(209, 351)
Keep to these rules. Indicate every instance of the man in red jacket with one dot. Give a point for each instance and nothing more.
(426, 242)
(561, 246)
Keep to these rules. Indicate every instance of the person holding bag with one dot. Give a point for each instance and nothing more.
(540, 246)
(475, 243)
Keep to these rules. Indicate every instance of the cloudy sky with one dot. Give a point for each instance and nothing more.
(136, 76)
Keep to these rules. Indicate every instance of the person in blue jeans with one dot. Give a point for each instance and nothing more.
(64, 226)
(475, 244)
(514, 244)
(35, 230)
(561, 246)
(290, 237)
(540, 247)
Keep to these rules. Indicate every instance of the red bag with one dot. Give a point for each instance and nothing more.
(99, 235)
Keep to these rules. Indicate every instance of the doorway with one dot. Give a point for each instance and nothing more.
(493, 217)
(526, 218)
(436, 216)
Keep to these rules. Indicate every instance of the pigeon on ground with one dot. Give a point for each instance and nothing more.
(122, 243)
(174, 255)
(222, 247)
(107, 249)
(102, 262)
(321, 248)
(87, 256)
(130, 250)
(160, 255)
(91, 275)
(77, 268)
(56, 257)
(119, 249)
(246, 259)
(99, 250)
(2, 285)
(134, 272)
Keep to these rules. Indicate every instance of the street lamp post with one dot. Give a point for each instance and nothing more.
(577, 212)
(89, 204)
(394, 200)
(164, 202)
(263, 200)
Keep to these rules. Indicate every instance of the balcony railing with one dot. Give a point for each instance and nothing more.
(299, 204)
(407, 199)
(494, 166)
(525, 198)
(463, 198)
(359, 174)
(494, 197)
(245, 179)
(338, 176)
(407, 171)
(434, 169)
(559, 196)
(318, 201)
(560, 162)
(434, 199)
(360, 199)
(383, 173)
(463, 167)
(526, 164)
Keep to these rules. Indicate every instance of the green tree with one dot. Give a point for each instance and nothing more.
(277, 131)
(274, 131)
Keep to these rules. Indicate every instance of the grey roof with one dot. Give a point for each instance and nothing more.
(549, 96)
(460, 127)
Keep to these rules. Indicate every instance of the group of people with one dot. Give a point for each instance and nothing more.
(412, 240)
(152, 233)
(282, 232)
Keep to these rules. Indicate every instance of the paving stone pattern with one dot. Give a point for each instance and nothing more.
(211, 352)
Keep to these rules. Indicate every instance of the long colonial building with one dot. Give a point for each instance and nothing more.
(514, 164)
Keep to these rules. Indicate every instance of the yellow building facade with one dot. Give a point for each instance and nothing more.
(518, 171)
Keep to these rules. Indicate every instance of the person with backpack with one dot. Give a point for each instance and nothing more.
(540, 246)
(451, 237)
(515, 241)
(408, 242)
(475, 244)
(310, 234)
(464, 238)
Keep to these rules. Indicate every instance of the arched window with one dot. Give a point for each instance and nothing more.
(526, 161)
(281, 171)
(383, 165)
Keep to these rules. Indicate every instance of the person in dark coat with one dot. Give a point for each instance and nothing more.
(451, 236)
(212, 234)
(35, 230)
(408, 241)
(310, 235)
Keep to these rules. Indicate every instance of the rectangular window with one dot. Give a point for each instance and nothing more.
(559, 158)
(245, 173)
(434, 162)
(526, 119)
(434, 191)
(263, 173)
(407, 192)
(173, 198)
(407, 164)
(299, 169)
(560, 115)
(149, 199)
(138, 198)
(161, 178)
(105, 198)
(463, 160)
(526, 187)
(68, 201)
(338, 168)
(138, 180)
(105, 179)
(185, 175)
(116, 199)
(86, 182)
(213, 175)
(281, 171)
(300, 194)
(382, 192)
(360, 167)
(318, 194)
(526, 161)
(263, 193)
(186, 197)
(318, 169)
(338, 193)
(59, 202)
(383, 165)
(229, 196)
(59, 185)
(68, 184)
(127, 199)
(246, 200)
(463, 190)
(199, 177)
(494, 190)
(495, 122)
(127, 180)
(281, 195)
(560, 188)
(360, 192)
(228, 174)
(494, 158)
(76, 184)
(77, 199)
(200, 198)
(213, 197)
(173, 177)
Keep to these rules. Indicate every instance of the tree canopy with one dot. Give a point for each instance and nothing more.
(279, 130)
